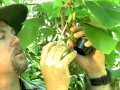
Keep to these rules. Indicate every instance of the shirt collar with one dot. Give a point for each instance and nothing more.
(27, 85)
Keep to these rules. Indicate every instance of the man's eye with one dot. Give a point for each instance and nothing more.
(13, 32)
(2, 36)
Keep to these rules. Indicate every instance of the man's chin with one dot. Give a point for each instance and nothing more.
(20, 64)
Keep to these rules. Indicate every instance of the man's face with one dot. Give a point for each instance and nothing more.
(12, 58)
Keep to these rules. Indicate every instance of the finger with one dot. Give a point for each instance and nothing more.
(81, 60)
(72, 24)
(79, 34)
(45, 50)
(74, 29)
(88, 44)
(51, 53)
(97, 56)
(60, 51)
(69, 58)
(70, 43)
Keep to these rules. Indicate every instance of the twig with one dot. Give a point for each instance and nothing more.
(64, 29)
(62, 15)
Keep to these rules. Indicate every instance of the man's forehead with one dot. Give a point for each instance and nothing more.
(2, 23)
(5, 26)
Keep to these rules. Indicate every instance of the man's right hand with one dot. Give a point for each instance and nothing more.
(54, 65)
(93, 63)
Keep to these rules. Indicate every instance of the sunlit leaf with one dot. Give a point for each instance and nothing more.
(116, 30)
(58, 3)
(116, 73)
(107, 14)
(100, 39)
(29, 31)
(118, 46)
(47, 31)
(46, 8)
(110, 59)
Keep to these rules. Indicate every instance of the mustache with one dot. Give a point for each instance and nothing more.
(18, 49)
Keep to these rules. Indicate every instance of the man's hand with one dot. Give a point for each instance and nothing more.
(93, 63)
(54, 65)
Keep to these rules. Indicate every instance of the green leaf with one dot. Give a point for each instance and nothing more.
(81, 12)
(6, 2)
(58, 3)
(116, 73)
(118, 46)
(29, 31)
(39, 8)
(111, 9)
(26, 76)
(110, 59)
(107, 14)
(95, 22)
(47, 31)
(16, 1)
(78, 3)
(100, 39)
(55, 13)
(57, 7)
(46, 8)
(116, 30)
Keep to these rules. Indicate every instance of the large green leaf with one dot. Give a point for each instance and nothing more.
(29, 31)
(95, 22)
(116, 30)
(110, 59)
(100, 39)
(111, 9)
(118, 46)
(81, 12)
(107, 14)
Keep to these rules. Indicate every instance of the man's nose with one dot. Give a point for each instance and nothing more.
(15, 40)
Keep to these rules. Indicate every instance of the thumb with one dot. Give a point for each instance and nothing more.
(81, 60)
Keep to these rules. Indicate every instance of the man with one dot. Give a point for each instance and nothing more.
(12, 59)
(54, 66)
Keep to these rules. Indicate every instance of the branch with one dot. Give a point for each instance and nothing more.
(62, 15)
(64, 6)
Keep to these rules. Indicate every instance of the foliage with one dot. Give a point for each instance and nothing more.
(99, 18)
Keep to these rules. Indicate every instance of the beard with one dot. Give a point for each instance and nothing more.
(18, 65)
